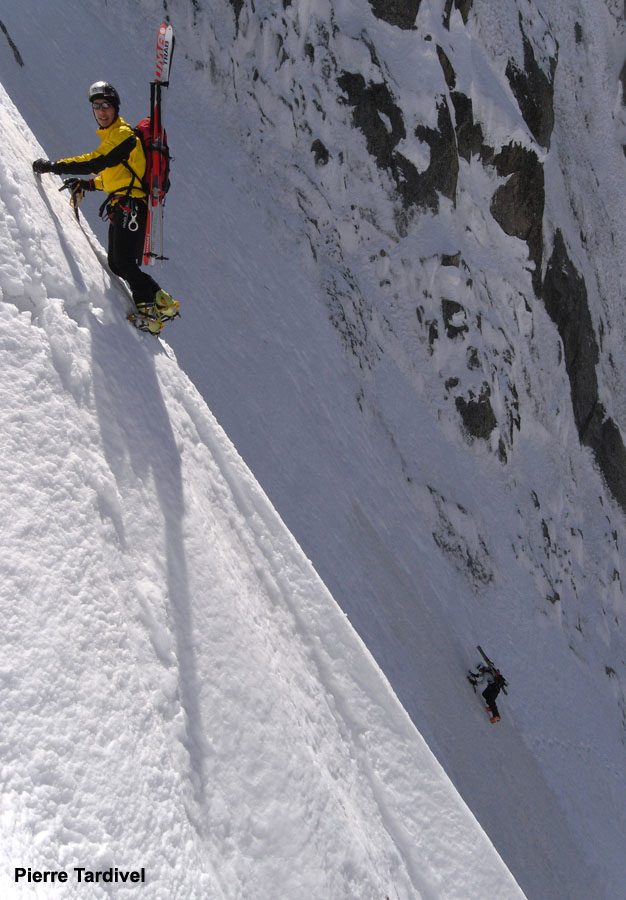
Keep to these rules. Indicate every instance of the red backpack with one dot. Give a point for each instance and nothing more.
(157, 159)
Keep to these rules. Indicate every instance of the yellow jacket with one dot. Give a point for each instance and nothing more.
(120, 152)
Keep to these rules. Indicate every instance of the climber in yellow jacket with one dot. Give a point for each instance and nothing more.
(118, 167)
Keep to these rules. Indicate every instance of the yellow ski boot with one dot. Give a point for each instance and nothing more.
(165, 306)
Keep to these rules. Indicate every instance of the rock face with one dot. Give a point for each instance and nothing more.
(397, 12)
(534, 91)
(565, 297)
(428, 140)
(237, 6)
(372, 104)
(518, 208)
(518, 205)
(477, 413)
(380, 119)
(463, 7)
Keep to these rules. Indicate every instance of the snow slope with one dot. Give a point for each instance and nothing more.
(179, 691)
(300, 286)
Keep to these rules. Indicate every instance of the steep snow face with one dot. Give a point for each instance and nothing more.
(179, 692)
(451, 442)
(376, 231)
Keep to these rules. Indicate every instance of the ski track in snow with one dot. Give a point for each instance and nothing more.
(179, 690)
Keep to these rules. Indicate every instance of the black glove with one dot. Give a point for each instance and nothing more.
(42, 165)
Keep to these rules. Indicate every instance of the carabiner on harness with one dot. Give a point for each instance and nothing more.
(129, 215)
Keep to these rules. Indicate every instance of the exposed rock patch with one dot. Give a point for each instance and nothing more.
(379, 118)
(376, 115)
(397, 12)
(469, 134)
(517, 206)
(320, 152)
(237, 6)
(476, 412)
(463, 7)
(16, 52)
(565, 297)
(454, 318)
(534, 92)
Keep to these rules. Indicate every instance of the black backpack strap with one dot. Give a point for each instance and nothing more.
(125, 195)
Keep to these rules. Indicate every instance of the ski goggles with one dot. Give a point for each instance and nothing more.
(104, 104)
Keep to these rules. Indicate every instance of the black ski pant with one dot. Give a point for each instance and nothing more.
(490, 693)
(126, 248)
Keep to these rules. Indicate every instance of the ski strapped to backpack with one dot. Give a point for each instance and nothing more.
(493, 668)
(154, 138)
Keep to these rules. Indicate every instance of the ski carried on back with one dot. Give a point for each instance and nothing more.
(490, 664)
(157, 153)
(157, 182)
(495, 683)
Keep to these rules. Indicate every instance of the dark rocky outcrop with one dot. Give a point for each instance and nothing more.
(441, 176)
(469, 135)
(566, 301)
(605, 439)
(622, 79)
(320, 152)
(565, 298)
(381, 121)
(463, 7)
(517, 206)
(397, 12)
(534, 92)
(237, 6)
(403, 13)
(452, 312)
(368, 102)
(446, 67)
(476, 412)
(16, 53)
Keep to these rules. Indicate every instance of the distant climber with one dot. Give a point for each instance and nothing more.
(118, 165)
(495, 683)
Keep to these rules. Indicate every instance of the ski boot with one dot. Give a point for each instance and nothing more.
(146, 323)
(165, 306)
(145, 319)
(494, 719)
